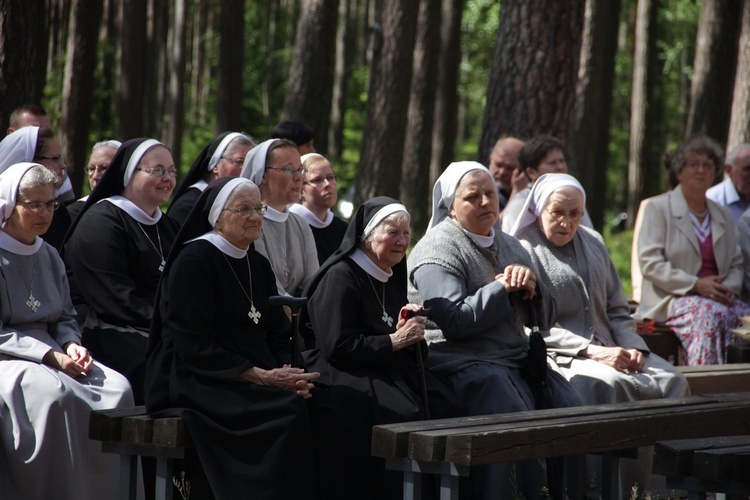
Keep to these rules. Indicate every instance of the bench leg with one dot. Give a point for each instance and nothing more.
(448, 487)
(164, 488)
(412, 485)
(128, 476)
(610, 476)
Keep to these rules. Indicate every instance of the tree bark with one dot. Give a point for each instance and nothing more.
(309, 93)
(155, 61)
(644, 162)
(445, 123)
(231, 65)
(346, 50)
(78, 86)
(534, 71)
(739, 129)
(714, 69)
(132, 60)
(18, 54)
(415, 173)
(588, 143)
(176, 96)
(388, 100)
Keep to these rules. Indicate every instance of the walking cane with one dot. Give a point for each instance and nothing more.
(422, 382)
(295, 304)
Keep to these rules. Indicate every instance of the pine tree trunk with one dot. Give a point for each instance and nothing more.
(176, 96)
(388, 100)
(132, 47)
(231, 65)
(534, 70)
(78, 86)
(714, 69)
(415, 173)
(445, 123)
(346, 50)
(309, 93)
(739, 129)
(588, 142)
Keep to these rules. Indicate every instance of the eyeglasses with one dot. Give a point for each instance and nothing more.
(237, 162)
(318, 182)
(53, 159)
(706, 165)
(289, 170)
(559, 215)
(92, 169)
(248, 210)
(39, 206)
(160, 171)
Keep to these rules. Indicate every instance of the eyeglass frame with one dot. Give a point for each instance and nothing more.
(565, 215)
(172, 174)
(92, 169)
(331, 179)
(261, 209)
(53, 159)
(237, 162)
(36, 206)
(289, 171)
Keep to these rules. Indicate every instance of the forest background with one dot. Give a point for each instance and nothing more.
(395, 90)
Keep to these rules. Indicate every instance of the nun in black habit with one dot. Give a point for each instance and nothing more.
(115, 252)
(219, 354)
(223, 157)
(366, 351)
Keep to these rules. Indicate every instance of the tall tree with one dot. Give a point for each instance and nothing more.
(714, 69)
(415, 173)
(231, 65)
(18, 54)
(534, 71)
(588, 142)
(739, 129)
(309, 93)
(644, 164)
(175, 103)
(155, 62)
(388, 100)
(78, 86)
(346, 50)
(132, 68)
(445, 123)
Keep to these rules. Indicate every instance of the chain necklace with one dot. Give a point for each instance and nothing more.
(158, 250)
(281, 245)
(387, 318)
(253, 314)
(699, 215)
(31, 302)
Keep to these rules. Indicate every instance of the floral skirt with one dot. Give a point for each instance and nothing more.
(704, 327)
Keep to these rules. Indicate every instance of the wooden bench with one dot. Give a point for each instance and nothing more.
(712, 379)
(450, 447)
(131, 433)
(698, 466)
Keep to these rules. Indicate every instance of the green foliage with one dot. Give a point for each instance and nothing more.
(619, 246)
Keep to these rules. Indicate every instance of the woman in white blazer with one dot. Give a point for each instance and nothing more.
(690, 258)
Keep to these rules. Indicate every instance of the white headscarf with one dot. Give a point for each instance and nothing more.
(223, 197)
(221, 148)
(135, 159)
(254, 167)
(540, 193)
(9, 181)
(445, 188)
(381, 214)
(18, 147)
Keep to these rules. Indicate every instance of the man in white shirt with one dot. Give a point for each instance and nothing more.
(734, 191)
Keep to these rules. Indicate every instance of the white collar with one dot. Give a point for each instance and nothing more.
(9, 243)
(481, 240)
(310, 217)
(362, 260)
(133, 210)
(84, 198)
(730, 192)
(221, 243)
(201, 185)
(276, 216)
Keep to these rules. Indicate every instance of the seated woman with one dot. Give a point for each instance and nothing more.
(101, 156)
(594, 344)
(115, 253)
(481, 288)
(42, 147)
(287, 241)
(49, 383)
(219, 359)
(357, 305)
(223, 157)
(319, 196)
(690, 259)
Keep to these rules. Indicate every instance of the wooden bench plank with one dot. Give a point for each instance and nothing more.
(717, 464)
(106, 425)
(138, 429)
(675, 458)
(171, 433)
(499, 443)
(708, 379)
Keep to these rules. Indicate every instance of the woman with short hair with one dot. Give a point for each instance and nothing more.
(50, 382)
(101, 156)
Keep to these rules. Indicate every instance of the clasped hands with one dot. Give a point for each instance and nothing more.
(518, 278)
(409, 331)
(286, 378)
(76, 362)
(712, 287)
(621, 359)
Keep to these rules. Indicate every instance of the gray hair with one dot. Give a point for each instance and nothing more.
(735, 152)
(106, 144)
(34, 177)
(395, 218)
(240, 140)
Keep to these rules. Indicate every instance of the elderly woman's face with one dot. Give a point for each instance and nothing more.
(389, 244)
(242, 218)
(52, 159)
(562, 215)
(320, 189)
(475, 206)
(230, 164)
(282, 182)
(99, 162)
(25, 223)
(698, 173)
(146, 187)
